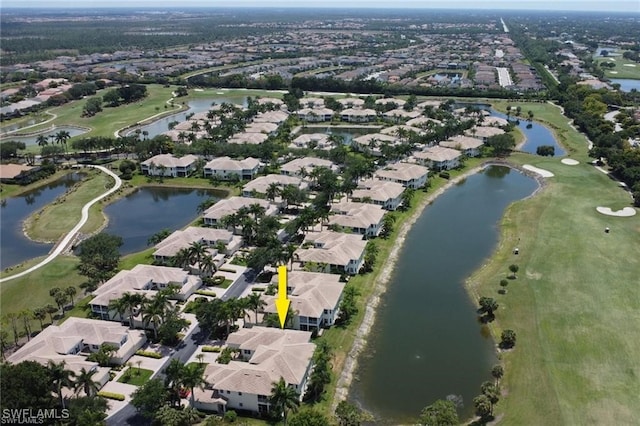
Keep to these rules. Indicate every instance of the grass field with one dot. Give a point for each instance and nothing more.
(135, 376)
(574, 305)
(32, 291)
(59, 217)
(623, 68)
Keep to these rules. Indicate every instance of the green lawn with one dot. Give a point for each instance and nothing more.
(623, 68)
(32, 291)
(59, 217)
(11, 190)
(574, 305)
(135, 376)
(144, 257)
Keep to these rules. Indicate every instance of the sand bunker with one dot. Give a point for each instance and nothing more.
(626, 212)
(629, 65)
(541, 172)
(569, 161)
(613, 72)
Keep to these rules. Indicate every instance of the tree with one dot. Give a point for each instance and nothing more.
(40, 314)
(26, 315)
(84, 383)
(92, 107)
(255, 303)
(350, 415)
(169, 416)
(388, 221)
(27, 384)
(497, 372)
(149, 397)
(501, 144)
(88, 411)
(487, 306)
(154, 312)
(70, 292)
(482, 406)
(504, 284)
(283, 398)
(514, 269)
(60, 378)
(12, 318)
(309, 418)
(192, 377)
(492, 393)
(120, 306)
(507, 339)
(99, 256)
(321, 375)
(348, 306)
(546, 150)
(50, 309)
(440, 413)
(132, 301)
(103, 355)
(407, 197)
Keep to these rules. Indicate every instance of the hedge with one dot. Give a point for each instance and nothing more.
(206, 293)
(111, 395)
(149, 354)
(210, 349)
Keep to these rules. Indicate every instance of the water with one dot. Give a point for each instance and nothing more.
(626, 84)
(427, 343)
(15, 247)
(16, 126)
(200, 105)
(536, 134)
(149, 210)
(50, 133)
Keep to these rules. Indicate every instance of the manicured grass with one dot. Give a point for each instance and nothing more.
(81, 309)
(144, 257)
(135, 376)
(574, 305)
(59, 217)
(32, 291)
(622, 68)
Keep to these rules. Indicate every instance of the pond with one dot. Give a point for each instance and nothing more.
(199, 105)
(536, 134)
(626, 84)
(149, 210)
(49, 133)
(427, 343)
(15, 247)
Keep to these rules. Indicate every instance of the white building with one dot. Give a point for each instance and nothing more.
(303, 166)
(168, 165)
(214, 214)
(227, 169)
(382, 193)
(439, 157)
(360, 218)
(260, 184)
(332, 252)
(409, 175)
(468, 146)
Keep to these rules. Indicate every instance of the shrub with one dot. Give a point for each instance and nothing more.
(258, 289)
(218, 279)
(111, 395)
(444, 175)
(546, 150)
(149, 354)
(508, 339)
(206, 293)
(211, 349)
(230, 416)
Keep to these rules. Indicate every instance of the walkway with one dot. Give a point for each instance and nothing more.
(20, 129)
(71, 235)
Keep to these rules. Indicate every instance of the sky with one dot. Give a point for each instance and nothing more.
(632, 6)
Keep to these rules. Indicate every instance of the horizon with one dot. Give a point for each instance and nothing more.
(621, 6)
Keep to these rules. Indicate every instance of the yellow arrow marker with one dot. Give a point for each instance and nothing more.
(282, 302)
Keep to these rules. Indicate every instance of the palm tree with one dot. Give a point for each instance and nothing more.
(70, 291)
(208, 266)
(50, 309)
(61, 137)
(40, 314)
(84, 382)
(120, 306)
(273, 190)
(12, 317)
(255, 303)
(155, 311)
(197, 252)
(26, 315)
(60, 377)
(42, 140)
(181, 258)
(256, 210)
(284, 398)
(192, 377)
(132, 301)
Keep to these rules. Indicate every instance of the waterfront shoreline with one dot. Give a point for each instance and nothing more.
(347, 374)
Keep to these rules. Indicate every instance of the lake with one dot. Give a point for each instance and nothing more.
(15, 247)
(199, 105)
(149, 210)
(49, 133)
(626, 84)
(426, 342)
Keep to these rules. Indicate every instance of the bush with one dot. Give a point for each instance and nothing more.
(233, 271)
(211, 349)
(508, 339)
(111, 395)
(444, 175)
(230, 416)
(149, 354)
(218, 279)
(206, 293)
(258, 289)
(546, 150)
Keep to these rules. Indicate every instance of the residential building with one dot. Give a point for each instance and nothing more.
(409, 175)
(227, 169)
(332, 252)
(313, 140)
(382, 193)
(260, 184)
(316, 114)
(168, 165)
(214, 214)
(300, 167)
(315, 299)
(439, 157)
(468, 146)
(212, 237)
(360, 218)
(267, 354)
(353, 115)
(485, 132)
(248, 138)
(145, 280)
(76, 338)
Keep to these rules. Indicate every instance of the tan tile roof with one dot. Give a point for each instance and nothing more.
(10, 171)
(378, 190)
(168, 160)
(438, 154)
(308, 163)
(226, 163)
(260, 184)
(402, 171)
(356, 215)
(462, 142)
(336, 248)
(231, 205)
(311, 293)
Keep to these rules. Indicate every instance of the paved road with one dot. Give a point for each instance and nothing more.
(128, 414)
(236, 290)
(71, 235)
